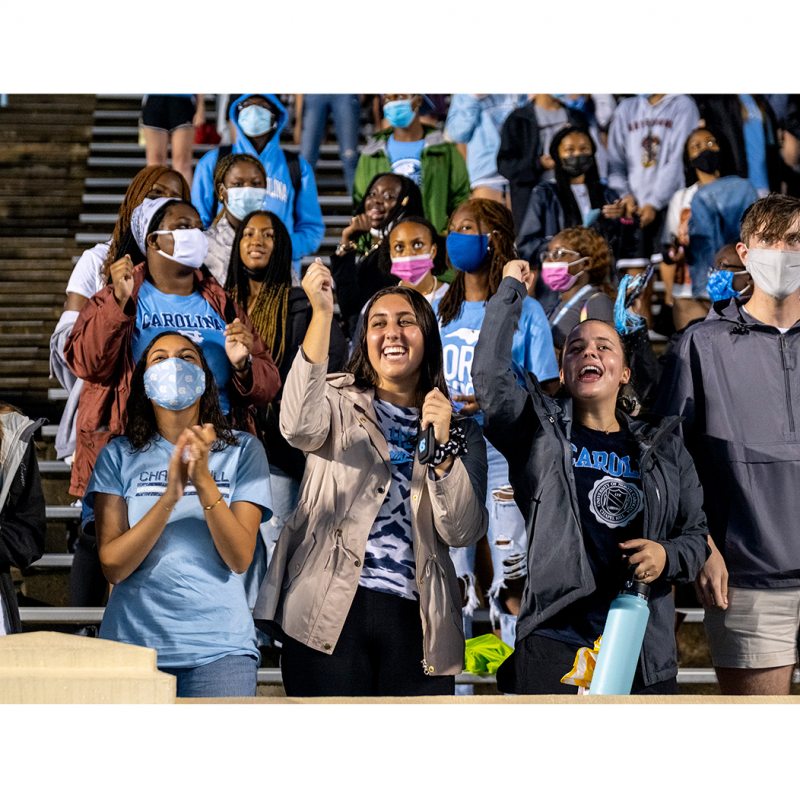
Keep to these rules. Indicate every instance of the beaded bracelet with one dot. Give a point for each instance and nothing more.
(456, 446)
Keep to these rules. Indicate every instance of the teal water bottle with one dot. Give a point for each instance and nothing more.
(622, 640)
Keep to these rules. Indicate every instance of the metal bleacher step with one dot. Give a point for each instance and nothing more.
(62, 512)
(87, 239)
(110, 220)
(54, 468)
(271, 676)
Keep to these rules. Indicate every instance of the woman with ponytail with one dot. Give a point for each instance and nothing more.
(606, 498)
(480, 242)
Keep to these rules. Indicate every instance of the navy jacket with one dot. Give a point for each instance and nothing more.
(736, 382)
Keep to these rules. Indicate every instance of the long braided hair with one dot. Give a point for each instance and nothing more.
(495, 218)
(221, 170)
(122, 241)
(270, 309)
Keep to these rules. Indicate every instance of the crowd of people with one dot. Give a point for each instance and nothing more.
(554, 351)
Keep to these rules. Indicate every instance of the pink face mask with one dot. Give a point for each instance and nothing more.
(412, 269)
(555, 274)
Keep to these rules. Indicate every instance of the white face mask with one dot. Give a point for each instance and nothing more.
(190, 248)
(775, 272)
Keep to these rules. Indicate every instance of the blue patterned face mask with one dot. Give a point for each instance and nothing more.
(174, 384)
(720, 284)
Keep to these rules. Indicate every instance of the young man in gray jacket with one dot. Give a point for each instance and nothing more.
(736, 380)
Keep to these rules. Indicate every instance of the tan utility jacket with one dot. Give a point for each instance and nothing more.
(316, 566)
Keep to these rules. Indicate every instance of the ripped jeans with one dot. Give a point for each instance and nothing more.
(508, 544)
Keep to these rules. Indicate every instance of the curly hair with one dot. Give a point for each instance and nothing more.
(140, 424)
(122, 242)
(431, 370)
(588, 242)
(495, 218)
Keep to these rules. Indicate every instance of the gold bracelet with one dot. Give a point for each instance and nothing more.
(215, 503)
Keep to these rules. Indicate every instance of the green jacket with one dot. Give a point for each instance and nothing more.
(444, 183)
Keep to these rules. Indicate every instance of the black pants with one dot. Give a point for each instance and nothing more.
(538, 663)
(87, 584)
(379, 654)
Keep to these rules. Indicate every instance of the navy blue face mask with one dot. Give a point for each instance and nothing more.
(467, 251)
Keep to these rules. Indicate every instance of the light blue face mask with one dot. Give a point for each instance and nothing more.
(256, 120)
(174, 384)
(399, 113)
(241, 200)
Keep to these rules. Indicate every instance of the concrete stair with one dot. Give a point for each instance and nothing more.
(44, 145)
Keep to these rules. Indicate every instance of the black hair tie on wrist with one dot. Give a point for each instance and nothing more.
(456, 446)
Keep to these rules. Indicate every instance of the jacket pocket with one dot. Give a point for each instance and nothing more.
(299, 559)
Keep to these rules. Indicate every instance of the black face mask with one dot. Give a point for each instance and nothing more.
(575, 166)
(707, 161)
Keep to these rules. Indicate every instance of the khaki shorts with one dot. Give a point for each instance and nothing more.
(758, 630)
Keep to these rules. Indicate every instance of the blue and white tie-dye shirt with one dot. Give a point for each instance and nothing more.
(389, 564)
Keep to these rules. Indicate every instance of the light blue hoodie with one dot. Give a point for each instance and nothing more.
(303, 219)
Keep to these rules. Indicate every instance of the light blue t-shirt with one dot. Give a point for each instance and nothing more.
(191, 315)
(406, 158)
(182, 600)
(389, 563)
(755, 147)
(531, 351)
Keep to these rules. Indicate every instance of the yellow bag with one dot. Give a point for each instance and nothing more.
(484, 654)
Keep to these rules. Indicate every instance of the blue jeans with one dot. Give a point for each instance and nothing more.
(229, 676)
(346, 112)
(284, 501)
(507, 543)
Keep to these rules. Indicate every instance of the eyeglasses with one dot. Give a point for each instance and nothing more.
(387, 197)
(560, 254)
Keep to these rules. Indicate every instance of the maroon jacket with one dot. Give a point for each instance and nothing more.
(99, 351)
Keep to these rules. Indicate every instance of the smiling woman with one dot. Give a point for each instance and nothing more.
(178, 502)
(632, 487)
(373, 524)
(361, 262)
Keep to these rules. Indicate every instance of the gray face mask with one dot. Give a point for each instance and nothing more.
(775, 272)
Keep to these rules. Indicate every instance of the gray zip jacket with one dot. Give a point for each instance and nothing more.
(314, 572)
(532, 432)
(736, 382)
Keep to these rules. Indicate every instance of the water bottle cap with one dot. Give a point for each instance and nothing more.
(635, 587)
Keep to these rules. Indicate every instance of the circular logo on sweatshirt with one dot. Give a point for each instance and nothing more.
(615, 503)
